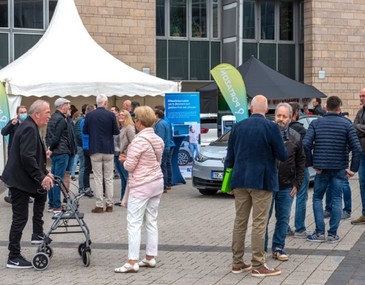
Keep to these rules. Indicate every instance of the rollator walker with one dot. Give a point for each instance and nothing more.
(68, 218)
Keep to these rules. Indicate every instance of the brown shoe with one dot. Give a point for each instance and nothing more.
(244, 267)
(168, 187)
(97, 210)
(109, 209)
(264, 271)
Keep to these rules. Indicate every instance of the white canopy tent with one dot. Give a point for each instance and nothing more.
(68, 62)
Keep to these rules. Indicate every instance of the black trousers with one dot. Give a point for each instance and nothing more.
(20, 207)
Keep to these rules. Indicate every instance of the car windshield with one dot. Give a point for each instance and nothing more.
(222, 140)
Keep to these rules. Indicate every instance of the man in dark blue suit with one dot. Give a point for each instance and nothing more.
(101, 125)
(254, 146)
(26, 175)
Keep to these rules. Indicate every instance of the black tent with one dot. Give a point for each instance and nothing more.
(261, 79)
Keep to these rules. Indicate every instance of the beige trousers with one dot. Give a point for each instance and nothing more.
(103, 166)
(259, 201)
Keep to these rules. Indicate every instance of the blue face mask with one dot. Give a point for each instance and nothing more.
(22, 117)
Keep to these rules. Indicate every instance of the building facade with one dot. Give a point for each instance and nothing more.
(319, 42)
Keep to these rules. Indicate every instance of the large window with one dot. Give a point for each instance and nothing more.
(23, 42)
(188, 42)
(273, 32)
(4, 14)
(199, 19)
(267, 20)
(160, 15)
(28, 14)
(178, 18)
(4, 55)
(22, 24)
(249, 19)
(286, 21)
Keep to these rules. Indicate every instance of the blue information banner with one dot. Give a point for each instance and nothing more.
(183, 112)
(183, 107)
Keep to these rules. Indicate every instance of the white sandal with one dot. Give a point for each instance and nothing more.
(127, 268)
(147, 263)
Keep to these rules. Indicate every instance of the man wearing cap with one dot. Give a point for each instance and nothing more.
(60, 140)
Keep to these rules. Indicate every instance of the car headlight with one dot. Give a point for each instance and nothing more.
(201, 158)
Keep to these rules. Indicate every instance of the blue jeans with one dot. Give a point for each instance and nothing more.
(169, 167)
(164, 159)
(346, 198)
(334, 179)
(362, 181)
(87, 169)
(59, 164)
(194, 149)
(123, 174)
(74, 164)
(282, 201)
(80, 154)
(301, 204)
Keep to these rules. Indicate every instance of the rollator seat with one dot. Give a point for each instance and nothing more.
(67, 215)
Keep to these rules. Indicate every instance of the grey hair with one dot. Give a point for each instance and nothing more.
(101, 98)
(37, 106)
(285, 105)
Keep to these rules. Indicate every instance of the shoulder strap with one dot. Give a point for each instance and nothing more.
(151, 146)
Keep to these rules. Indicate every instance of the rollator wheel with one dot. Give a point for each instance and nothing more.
(48, 251)
(40, 261)
(81, 248)
(86, 257)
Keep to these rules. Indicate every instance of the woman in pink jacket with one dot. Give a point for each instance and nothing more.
(145, 181)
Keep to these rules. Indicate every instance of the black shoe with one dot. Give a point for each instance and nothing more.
(7, 199)
(37, 238)
(18, 262)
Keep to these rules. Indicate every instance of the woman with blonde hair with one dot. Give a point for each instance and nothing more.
(145, 182)
(127, 134)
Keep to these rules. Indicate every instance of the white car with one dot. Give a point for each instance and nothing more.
(208, 167)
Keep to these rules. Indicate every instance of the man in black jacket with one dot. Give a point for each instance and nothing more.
(291, 174)
(26, 175)
(302, 195)
(9, 130)
(317, 108)
(60, 139)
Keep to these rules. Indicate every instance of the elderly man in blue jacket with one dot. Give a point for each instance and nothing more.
(327, 144)
(254, 146)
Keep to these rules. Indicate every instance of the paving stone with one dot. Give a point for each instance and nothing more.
(195, 234)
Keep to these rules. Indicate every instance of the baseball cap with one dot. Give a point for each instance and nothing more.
(61, 101)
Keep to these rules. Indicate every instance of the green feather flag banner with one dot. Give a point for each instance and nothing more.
(232, 86)
(4, 108)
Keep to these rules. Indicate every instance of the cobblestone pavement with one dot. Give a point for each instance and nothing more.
(194, 247)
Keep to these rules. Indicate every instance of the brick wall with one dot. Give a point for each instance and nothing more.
(125, 28)
(334, 41)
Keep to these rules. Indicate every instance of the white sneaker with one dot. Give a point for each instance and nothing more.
(147, 263)
(127, 268)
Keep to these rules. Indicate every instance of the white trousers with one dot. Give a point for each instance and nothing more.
(103, 166)
(140, 211)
